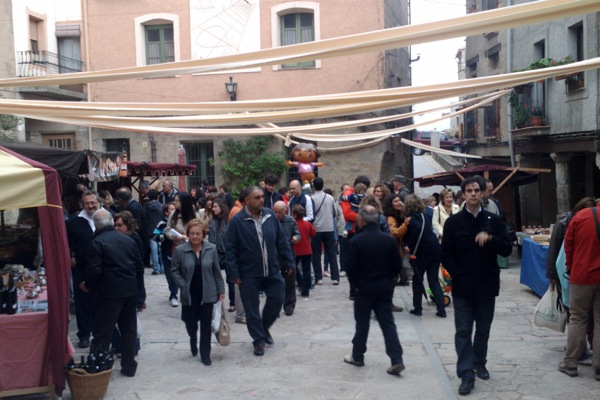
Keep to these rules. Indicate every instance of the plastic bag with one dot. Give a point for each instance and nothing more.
(223, 334)
(216, 319)
(550, 313)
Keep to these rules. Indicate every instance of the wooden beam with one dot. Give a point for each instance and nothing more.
(459, 175)
(514, 171)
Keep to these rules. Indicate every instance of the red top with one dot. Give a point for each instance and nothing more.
(582, 249)
(349, 215)
(303, 248)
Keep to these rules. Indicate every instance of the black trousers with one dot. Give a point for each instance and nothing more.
(382, 305)
(84, 306)
(120, 312)
(191, 316)
(289, 302)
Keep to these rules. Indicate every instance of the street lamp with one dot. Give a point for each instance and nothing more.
(231, 88)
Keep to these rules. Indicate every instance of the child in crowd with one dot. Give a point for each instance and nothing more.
(302, 248)
(360, 191)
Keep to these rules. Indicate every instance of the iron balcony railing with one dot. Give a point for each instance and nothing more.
(42, 62)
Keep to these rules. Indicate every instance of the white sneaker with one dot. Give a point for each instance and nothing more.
(174, 302)
(342, 273)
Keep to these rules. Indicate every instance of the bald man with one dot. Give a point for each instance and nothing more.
(293, 234)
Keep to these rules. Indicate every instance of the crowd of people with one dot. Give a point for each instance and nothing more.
(280, 243)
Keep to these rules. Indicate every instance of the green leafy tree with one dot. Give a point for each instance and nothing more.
(246, 163)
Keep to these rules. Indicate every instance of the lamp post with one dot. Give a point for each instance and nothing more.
(231, 88)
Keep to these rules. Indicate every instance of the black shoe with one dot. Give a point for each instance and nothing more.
(467, 385)
(269, 339)
(441, 314)
(84, 343)
(482, 372)
(416, 312)
(396, 369)
(206, 361)
(128, 373)
(259, 349)
(305, 294)
(155, 273)
(288, 312)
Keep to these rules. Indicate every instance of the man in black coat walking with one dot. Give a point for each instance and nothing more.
(472, 241)
(113, 262)
(373, 265)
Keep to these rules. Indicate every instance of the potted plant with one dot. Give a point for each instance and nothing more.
(520, 114)
(537, 116)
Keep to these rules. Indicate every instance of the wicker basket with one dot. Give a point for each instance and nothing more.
(85, 386)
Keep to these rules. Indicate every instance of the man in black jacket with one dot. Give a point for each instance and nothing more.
(373, 264)
(80, 232)
(113, 261)
(472, 240)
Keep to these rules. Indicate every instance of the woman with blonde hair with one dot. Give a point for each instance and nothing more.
(196, 272)
(443, 211)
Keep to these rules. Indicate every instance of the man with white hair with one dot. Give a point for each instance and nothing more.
(113, 263)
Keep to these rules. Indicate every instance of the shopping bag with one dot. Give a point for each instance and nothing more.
(223, 335)
(550, 313)
(216, 319)
(139, 325)
(561, 268)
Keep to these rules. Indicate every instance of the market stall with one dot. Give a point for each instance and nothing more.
(34, 346)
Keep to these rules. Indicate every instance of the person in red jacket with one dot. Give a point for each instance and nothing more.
(302, 248)
(582, 246)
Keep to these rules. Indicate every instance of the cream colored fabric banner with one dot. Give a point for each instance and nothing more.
(404, 36)
(292, 109)
(21, 185)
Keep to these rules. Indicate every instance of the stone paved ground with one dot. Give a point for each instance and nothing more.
(306, 360)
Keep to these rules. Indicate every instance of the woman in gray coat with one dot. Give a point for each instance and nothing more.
(195, 270)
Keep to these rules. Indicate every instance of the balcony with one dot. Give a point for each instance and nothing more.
(42, 63)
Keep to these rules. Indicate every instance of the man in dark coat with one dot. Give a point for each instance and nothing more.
(472, 241)
(128, 203)
(293, 234)
(255, 243)
(80, 231)
(113, 262)
(373, 264)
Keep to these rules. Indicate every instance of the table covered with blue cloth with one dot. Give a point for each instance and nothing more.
(533, 266)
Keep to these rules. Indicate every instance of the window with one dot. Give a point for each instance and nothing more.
(297, 28)
(470, 125)
(489, 5)
(491, 120)
(294, 23)
(120, 146)
(576, 46)
(200, 155)
(160, 44)
(35, 30)
(157, 39)
(59, 141)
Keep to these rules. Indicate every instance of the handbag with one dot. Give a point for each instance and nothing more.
(223, 336)
(550, 313)
(414, 252)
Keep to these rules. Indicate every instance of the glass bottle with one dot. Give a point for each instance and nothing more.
(13, 298)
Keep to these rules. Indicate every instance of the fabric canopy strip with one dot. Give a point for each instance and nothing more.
(22, 184)
(404, 36)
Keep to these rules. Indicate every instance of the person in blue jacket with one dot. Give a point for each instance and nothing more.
(256, 242)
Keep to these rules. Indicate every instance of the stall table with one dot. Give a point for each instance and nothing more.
(24, 349)
(533, 266)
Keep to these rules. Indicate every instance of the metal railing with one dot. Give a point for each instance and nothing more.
(42, 62)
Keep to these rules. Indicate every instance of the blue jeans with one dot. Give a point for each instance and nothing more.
(472, 352)
(173, 289)
(327, 240)
(382, 305)
(274, 288)
(157, 264)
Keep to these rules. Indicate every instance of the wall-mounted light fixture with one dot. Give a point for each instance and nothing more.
(231, 88)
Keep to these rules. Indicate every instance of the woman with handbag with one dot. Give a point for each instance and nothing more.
(393, 209)
(423, 244)
(196, 272)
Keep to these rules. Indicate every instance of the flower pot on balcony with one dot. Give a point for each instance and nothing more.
(537, 121)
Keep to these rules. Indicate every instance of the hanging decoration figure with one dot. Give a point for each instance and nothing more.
(304, 157)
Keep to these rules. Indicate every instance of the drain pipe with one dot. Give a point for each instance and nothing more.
(511, 148)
